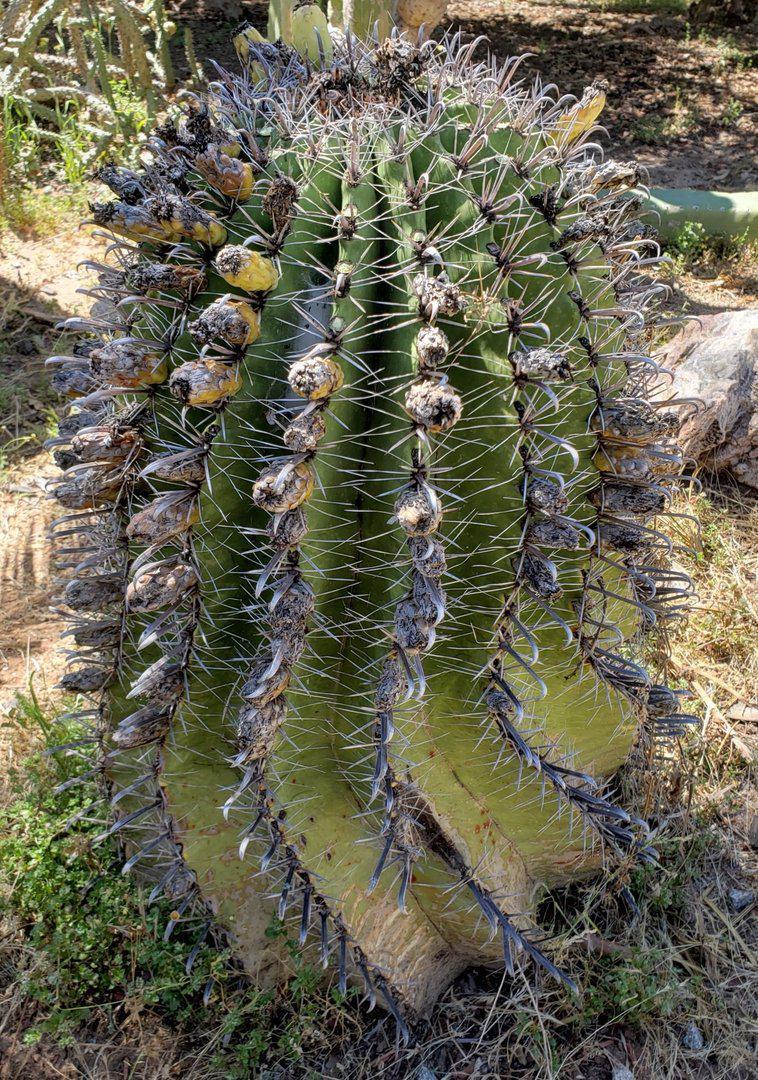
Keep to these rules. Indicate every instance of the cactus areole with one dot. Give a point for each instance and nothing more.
(366, 492)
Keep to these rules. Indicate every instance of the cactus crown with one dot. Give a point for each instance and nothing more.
(362, 495)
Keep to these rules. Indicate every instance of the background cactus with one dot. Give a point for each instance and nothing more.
(366, 486)
(94, 51)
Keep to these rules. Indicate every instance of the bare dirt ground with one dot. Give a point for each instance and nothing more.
(38, 288)
(28, 630)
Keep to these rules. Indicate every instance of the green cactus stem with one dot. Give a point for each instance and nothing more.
(368, 474)
(86, 74)
(721, 213)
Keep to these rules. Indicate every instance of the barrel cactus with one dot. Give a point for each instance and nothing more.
(364, 489)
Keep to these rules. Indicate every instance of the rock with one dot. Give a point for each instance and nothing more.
(715, 359)
(739, 899)
(743, 713)
(622, 1072)
(693, 1037)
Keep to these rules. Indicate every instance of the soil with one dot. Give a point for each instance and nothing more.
(38, 288)
(28, 629)
(682, 103)
(720, 286)
(39, 284)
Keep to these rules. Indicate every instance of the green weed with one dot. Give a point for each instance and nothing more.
(732, 112)
(94, 949)
(692, 246)
(730, 56)
(633, 990)
(655, 130)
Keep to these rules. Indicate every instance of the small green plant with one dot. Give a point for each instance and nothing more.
(731, 57)
(683, 120)
(694, 246)
(689, 243)
(732, 112)
(634, 989)
(93, 946)
(681, 865)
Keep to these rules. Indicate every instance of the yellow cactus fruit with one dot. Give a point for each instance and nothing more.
(246, 269)
(210, 232)
(182, 219)
(204, 382)
(234, 321)
(133, 222)
(251, 316)
(242, 41)
(281, 488)
(580, 117)
(310, 32)
(125, 364)
(315, 378)
(226, 174)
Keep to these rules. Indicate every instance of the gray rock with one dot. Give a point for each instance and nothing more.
(716, 360)
(739, 899)
(693, 1037)
(743, 713)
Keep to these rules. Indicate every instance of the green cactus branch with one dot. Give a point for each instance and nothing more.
(368, 475)
(721, 213)
(30, 72)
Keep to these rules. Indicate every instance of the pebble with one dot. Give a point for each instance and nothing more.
(693, 1037)
(739, 899)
